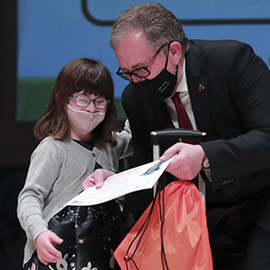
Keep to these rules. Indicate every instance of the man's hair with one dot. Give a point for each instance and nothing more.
(81, 74)
(158, 24)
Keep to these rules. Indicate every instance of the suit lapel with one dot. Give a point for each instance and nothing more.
(199, 93)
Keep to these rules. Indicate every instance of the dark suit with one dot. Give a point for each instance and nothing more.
(234, 110)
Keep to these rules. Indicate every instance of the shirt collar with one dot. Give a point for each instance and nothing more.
(182, 86)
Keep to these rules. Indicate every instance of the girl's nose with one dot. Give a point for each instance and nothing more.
(91, 107)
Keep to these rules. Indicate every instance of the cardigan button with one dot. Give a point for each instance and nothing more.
(94, 155)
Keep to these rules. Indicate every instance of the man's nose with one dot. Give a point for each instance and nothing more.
(136, 79)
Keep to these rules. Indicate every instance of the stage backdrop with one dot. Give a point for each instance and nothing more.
(50, 33)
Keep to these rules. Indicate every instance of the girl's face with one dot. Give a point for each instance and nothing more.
(85, 112)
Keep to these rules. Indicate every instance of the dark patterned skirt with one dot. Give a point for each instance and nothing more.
(90, 233)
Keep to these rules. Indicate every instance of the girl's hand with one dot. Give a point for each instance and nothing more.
(46, 252)
(96, 178)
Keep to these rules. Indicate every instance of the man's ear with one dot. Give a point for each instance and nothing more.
(176, 52)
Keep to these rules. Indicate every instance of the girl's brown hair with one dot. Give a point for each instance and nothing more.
(91, 77)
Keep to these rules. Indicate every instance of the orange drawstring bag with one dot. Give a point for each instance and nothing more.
(171, 233)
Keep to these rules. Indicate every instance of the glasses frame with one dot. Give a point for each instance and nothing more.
(89, 101)
(127, 75)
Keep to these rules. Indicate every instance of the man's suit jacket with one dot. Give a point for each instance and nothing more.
(233, 107)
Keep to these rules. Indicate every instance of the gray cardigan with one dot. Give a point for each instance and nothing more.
(55, 176)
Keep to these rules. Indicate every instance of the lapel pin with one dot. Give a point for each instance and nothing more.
(201, 87)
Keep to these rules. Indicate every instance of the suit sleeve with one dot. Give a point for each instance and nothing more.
(140, 137)
(246, 153)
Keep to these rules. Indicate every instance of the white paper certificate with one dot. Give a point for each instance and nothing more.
(139, 178)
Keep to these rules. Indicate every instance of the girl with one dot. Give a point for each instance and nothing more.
(77, 136)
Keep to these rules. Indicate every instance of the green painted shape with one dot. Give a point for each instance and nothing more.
(33, 95)
(121, 115)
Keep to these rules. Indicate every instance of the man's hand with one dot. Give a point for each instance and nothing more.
(188, 160)
(46, 252)
(96, 178)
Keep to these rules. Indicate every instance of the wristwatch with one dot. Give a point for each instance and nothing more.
(205, 163)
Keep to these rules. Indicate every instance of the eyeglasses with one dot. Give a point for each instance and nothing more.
(141, 72)
(83, 101)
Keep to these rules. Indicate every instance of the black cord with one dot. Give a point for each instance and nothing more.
(162, 220)
(143, 228)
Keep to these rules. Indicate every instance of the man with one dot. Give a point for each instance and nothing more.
(224, 88)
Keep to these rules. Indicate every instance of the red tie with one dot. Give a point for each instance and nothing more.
(183, 119)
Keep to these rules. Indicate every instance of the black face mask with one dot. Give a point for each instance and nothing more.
(157, 89)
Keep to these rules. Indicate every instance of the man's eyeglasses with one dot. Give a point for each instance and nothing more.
(141, 72)
(83, 101)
